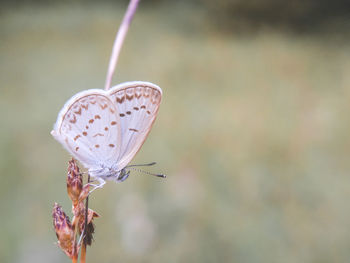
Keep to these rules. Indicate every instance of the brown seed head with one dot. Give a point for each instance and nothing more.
(74, 182)
(90, 226)
(89, 234)
(64, 230)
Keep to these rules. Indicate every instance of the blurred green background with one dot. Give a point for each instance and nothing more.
(253, 130)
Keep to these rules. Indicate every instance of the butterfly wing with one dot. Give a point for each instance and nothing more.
(137, 104)
(88, 126)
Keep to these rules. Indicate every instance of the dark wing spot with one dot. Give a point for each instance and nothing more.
(106, 128)
(97, 146)
(76, 137)
(84, 133)
(121, 114)
(74, 119)
(143, 107)
(111, 145)
(97, 117)
(133, 130)
(129, 97)
(78, 112)
(76, 149)
(113, 123)
(148, 112)
(91, 121)
(136, 108)
(120, 100)
(98, 134)
(128, 112)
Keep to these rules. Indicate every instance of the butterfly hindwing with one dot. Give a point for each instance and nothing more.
(88, 126)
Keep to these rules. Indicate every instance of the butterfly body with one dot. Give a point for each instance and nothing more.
(105, 129)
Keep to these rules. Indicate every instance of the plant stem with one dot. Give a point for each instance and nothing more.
(83, 249)
(118, 43)
(76, 252)
(83, 253)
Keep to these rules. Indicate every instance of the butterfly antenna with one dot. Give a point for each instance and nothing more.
(145, 172)
(146, 164)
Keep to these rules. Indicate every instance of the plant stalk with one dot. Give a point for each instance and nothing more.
(118, 42)
(83, 249)
(83, 253)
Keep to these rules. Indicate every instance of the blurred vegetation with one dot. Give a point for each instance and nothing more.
(296, 15)
(300, 16)
(253, 133)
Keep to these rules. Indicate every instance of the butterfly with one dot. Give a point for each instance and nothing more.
(104, 130)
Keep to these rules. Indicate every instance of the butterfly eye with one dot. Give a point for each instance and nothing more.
(123, 175)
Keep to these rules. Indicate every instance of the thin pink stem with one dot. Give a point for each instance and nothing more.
(118, 43)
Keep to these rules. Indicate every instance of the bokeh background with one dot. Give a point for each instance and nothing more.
(253, 130)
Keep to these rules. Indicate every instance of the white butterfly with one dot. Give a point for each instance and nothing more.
(105, 129)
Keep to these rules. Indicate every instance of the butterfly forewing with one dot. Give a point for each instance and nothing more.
(137, 104)
(89, 128)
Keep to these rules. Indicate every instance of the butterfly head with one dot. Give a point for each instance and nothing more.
(110, 174)
(123, 175)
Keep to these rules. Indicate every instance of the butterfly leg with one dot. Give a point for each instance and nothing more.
(96, 186)
(81, 238)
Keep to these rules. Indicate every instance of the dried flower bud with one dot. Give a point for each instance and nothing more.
(79, 213)
(74, 182)
(90, 228)
(78, 208)
(89, 234)
(91, 215)
(84, 192)
(64, 231)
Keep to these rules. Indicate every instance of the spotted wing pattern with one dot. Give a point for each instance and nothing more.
(137, 104)
(88, 126)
